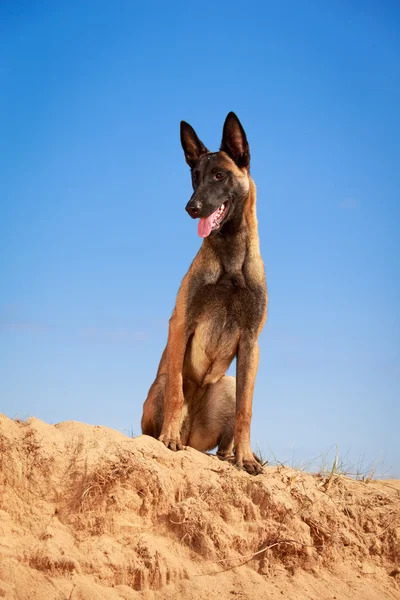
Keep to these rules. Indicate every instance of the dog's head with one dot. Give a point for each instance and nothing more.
(220, 179)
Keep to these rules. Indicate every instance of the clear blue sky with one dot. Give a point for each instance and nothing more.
(94, 236)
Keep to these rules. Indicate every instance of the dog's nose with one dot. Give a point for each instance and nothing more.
(193, 207)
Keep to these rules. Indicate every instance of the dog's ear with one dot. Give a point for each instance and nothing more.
(234, 141)
(192, 146)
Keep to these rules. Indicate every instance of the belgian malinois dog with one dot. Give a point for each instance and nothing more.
(220, 310)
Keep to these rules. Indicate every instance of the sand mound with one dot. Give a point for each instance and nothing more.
(87, 513)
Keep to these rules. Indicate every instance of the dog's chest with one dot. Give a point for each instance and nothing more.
(218, 314)
(231, 302)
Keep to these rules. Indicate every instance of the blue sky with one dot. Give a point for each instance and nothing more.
(94, 238)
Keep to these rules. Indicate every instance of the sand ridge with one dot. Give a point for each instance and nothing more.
(88, 513)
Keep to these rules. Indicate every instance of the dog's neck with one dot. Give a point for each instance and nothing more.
(239, 241)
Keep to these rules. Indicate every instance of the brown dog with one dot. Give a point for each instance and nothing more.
(220, 310)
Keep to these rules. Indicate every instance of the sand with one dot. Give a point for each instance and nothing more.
(87, 513)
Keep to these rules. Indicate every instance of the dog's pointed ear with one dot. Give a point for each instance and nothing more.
(192, 146)
(234, 141)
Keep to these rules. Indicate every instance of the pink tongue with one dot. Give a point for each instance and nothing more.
(205, 225)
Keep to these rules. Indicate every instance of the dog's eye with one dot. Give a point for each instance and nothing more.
(219, 175)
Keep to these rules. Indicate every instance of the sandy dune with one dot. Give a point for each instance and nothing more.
(87, 513)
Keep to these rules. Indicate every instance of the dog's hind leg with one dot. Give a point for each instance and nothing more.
(153, 411)
(153, 408)
(212, 417)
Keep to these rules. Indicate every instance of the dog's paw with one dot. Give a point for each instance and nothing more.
(250, 465)
(224, 455)
(172, 443)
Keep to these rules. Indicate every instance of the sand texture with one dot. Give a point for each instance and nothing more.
(88, 513)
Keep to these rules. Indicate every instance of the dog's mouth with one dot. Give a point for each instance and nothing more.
(213, 222)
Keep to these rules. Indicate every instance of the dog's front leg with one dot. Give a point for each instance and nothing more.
(173, 398)
(246, 369)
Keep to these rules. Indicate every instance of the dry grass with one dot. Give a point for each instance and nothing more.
(90, 487)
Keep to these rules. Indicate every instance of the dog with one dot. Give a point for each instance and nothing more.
(220, 310)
